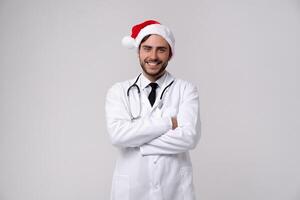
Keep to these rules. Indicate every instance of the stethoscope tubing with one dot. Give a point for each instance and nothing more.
(139, 93)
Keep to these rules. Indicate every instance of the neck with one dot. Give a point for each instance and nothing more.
(154, 78)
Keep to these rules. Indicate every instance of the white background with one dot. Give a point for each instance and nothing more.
(58, 58)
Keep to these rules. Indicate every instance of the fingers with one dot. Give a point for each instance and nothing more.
(174, 123)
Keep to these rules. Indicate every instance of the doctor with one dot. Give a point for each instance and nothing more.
(153, 120)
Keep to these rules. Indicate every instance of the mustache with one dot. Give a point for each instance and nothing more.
(153, 60)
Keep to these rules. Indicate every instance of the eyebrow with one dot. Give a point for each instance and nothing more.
(158, 47)
(146, 46)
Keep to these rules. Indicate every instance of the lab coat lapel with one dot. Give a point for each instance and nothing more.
(169, 78)
(146, 106)
(144, 98)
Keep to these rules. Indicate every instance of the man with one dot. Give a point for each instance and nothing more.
(153, 121)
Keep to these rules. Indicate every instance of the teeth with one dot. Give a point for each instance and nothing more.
(152, 63)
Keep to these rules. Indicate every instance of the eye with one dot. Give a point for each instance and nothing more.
(162, 50)
(146, 48)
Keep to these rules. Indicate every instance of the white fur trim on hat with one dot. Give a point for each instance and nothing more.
(157, 29)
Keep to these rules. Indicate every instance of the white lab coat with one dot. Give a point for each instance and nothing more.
(154, 161)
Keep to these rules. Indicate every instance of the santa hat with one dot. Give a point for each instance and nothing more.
(139, 31)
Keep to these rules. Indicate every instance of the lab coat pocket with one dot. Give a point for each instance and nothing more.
(187, 186)
(120, 187)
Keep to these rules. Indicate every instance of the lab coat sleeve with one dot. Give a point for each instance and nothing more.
(125, 132)
(186, 135)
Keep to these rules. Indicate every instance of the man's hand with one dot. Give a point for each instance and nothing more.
(174, 122)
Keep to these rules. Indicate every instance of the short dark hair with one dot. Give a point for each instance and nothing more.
(146, 38)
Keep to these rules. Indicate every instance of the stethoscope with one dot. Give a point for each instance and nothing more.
(134, 85)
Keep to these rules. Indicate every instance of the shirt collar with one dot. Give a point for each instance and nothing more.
(145, 81)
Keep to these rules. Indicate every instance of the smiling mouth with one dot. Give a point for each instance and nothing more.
(151, 63)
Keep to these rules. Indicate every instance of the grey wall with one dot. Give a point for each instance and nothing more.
(58, 58)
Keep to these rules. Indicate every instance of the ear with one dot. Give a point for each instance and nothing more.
(138, 52)
(170, 52)
(170, 55)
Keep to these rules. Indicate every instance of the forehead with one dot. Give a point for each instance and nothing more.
(155, 40)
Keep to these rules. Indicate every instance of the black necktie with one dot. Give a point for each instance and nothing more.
(152, 95)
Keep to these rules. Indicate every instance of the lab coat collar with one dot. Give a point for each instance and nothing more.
(142, 82)
(167, 80)
(163, 80)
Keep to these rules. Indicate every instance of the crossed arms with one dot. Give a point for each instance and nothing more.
(154, 134)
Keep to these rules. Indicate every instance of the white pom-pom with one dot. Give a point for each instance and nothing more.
(128, 42)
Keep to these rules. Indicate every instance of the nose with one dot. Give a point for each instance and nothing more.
(153, 55)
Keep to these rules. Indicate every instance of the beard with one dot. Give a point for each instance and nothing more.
(156, 74)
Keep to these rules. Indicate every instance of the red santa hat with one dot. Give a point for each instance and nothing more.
(139, 31)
